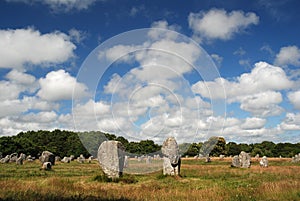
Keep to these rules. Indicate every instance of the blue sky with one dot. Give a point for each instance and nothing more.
(190, 70)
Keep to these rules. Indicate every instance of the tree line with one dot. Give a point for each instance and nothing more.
(65, 143)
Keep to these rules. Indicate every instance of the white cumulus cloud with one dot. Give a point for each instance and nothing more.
(59, 85)
(289, 55)
(219, 24)
(28, 46)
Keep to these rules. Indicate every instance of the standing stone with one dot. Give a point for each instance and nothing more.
(257, 157)
(245, 159)
(13, 157)
(172, 160)
(236, 162)
(5, 159)
(90, 159)
(81, 159)
(207, 159)
(148, 160)
(72, 157)
(139, 159)
(264, 162)
(47, 166)
(66, 160)
(296, 158)
(19, 161)
(47, 156)
(126, 158)
(222, 157)
(111, 158)
(57, 158)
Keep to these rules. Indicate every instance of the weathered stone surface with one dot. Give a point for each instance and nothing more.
(111, 155)
(19, 161)
(172, 160)
(47, 156)
(235, 162)
(90, 159)
(30, 158)
(13, 157)
(264, 162)
(5, 159)
(72, 157)
(47, 166)
(207, 159)
(57, 158)
(245, 159)
(296, 158)
(66, 160)
(126, 162)
(148, 160)
(81, 159)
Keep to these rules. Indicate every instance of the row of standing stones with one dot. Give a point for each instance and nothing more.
(112, 159)
(111, 156)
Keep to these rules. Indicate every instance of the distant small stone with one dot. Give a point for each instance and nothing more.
(207, 159)
(81, 159)
(19, 161)
(5, 159)
(90, 159)
(264, 162)
(47, 156)
(222, 157)
(66, 160)
(47, 166)
(245, 159)
(57, 158)
(13, 157)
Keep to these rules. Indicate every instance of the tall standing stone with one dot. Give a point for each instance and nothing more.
(111, 156)
(172, 160)
(245, 159)
(47, 156)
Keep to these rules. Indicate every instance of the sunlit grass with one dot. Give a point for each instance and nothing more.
(198, 181)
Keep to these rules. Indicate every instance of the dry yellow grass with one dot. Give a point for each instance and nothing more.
(199, 181)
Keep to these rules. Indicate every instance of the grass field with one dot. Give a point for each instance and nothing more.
(198, 181)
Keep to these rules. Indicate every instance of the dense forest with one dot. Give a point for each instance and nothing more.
(66, 143)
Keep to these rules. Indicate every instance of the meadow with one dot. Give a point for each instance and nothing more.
(198, 181)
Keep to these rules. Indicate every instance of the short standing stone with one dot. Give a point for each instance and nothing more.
(57, 158)
(207, 159)
(245, 159)
(172, 160)
(90, 159)
(81, 159)
(126, 158)
(111, 158)
(257, 157)
(66, 160)
(222, 157)
(236, 162)
(19, 161)
(5, 159)
(13, 157)
(264, 162)
(47, 166)
(72, 157)
(47, 156)
(148, 160)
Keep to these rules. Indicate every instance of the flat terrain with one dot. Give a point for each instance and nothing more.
(198, 181)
